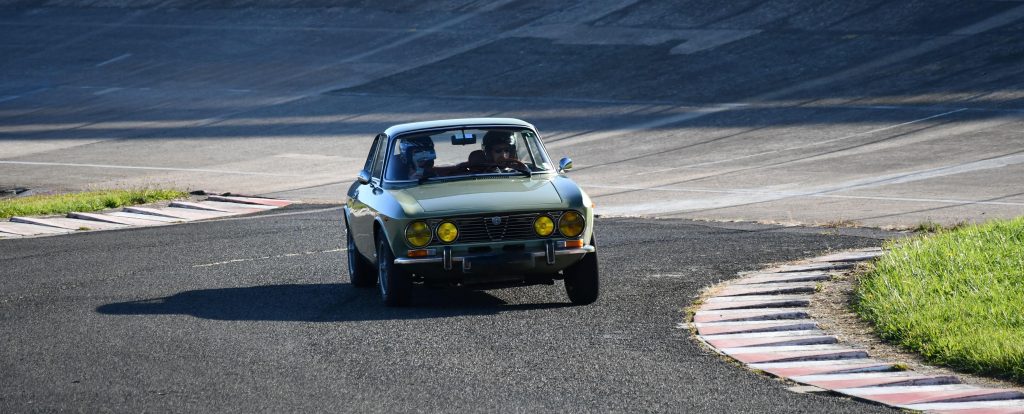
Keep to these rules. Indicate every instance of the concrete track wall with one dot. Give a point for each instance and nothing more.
(879, 113)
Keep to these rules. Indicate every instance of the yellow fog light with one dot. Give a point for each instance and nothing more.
(570, 224)
(447, 232)
(543, 226)
(418, 234)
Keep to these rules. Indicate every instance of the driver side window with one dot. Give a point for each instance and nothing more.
(381, 152)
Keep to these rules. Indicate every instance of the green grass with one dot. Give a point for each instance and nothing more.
(929, 226)
(956, 297)
(86, 201)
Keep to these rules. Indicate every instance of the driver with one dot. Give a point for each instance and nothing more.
(419, 155)
(500, 148)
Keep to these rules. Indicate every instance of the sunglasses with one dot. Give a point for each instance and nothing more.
(505, 150)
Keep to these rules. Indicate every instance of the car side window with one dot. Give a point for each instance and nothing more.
(380, 153)
(371, 156)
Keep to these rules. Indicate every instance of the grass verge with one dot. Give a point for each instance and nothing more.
(956, 297)
(85, 201)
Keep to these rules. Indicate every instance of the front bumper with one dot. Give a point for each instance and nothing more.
(552, 259)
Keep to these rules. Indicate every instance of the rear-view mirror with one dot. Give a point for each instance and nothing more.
(462, 138)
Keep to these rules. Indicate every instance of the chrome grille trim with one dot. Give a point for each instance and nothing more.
(480, 229)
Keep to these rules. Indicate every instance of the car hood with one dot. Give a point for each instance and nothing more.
(479, 196)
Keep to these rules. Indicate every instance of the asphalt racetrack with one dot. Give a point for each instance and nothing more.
(687, 122)
(255, 314)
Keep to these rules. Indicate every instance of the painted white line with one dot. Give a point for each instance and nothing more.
(668, 276)
(709, 39)
(773, 272)
(856, 376)
(786, 348)
(233, 205)
(132, 167)
(812, 144)
(985, 25)
(149, 217)
(810, 323)
(13, 97)
(280, 256)
(966, 405)
(185, 123)
(106, 91)
(755, 298)
(988, 164)
(936, 43)
(993, 22)
(800, 364)
(903, 389)
(433, 58)
(107, 27)
(770, 285)
(691, 40)
(222, 28)
(756, 311)
(272, 215)
(430, 30)
(692, 113)
(117, 59)
(416, 34)
(783, 334)
(24, 229)
(788, 194)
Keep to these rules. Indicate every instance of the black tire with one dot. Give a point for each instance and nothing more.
(582, 283)
(360, 272)
(395, 284)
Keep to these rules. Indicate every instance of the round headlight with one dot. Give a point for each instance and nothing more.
(543, 226)
(447, 232)
(418, 234)
(570, 224)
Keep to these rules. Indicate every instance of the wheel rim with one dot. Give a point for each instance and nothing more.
(382, 271)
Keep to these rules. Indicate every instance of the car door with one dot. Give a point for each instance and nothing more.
(361, 197)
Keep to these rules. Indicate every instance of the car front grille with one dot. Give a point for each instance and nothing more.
(497, 227)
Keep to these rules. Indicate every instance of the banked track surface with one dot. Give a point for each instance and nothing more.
(878, 113)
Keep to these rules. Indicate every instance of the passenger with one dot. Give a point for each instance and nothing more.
(419, 155)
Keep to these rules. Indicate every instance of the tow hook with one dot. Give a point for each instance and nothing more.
(549, 251)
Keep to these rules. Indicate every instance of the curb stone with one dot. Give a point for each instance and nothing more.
(138, 216)
(760, 320)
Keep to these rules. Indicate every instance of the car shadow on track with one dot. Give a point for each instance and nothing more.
(317, 303)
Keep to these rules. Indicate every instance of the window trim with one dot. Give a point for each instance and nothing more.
(375, 173)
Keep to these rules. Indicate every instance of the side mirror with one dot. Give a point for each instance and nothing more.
(364, 177)
(565, 164)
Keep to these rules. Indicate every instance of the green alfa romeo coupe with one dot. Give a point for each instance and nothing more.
(468, 202)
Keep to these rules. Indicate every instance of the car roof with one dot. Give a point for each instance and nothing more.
(462, 122)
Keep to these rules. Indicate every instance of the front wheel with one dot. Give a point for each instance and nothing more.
(581, 280)
(360, 272)
(395, 284)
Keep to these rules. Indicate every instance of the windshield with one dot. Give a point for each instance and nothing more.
(466, 153)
